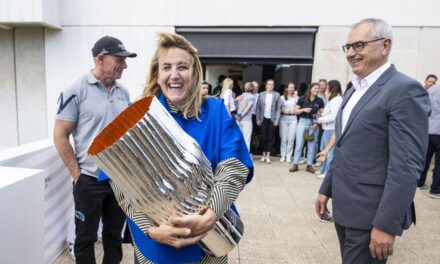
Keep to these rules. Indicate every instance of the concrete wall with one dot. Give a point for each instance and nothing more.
(248, 12)
(8, 96)
(67, 55)
(23, 80)
(31, 12)
(30, 85)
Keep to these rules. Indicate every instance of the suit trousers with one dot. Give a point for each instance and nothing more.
(95, 200)
(354, 245)
(267, 135)
(433, 148)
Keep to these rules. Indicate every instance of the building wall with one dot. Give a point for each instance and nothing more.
(8, 96)
(22, 74)
(30, 84)
(49, 62)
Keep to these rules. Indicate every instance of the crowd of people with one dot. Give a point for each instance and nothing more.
(305, 123)
(371, 185)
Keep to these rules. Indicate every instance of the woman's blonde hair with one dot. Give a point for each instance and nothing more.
(191, 106)
(248, 87)
(227, 84)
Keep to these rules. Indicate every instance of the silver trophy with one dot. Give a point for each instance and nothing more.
(161, 170)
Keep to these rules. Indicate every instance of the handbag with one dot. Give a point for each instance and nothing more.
(309, 134)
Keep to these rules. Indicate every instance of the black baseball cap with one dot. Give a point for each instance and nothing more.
(111, 46)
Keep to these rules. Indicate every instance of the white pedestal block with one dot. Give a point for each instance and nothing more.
(22, 216)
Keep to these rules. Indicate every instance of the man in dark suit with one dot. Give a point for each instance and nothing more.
(381, 140)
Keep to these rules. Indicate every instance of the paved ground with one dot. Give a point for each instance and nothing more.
(281, 226)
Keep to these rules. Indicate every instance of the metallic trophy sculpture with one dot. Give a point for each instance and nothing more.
(161, 170)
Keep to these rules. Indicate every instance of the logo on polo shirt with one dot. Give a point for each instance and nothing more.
(62, 103)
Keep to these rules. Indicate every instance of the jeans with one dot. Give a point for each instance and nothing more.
(433, 147)
(303, 124)
(287, 134)
(95, 200)
(326, 135)
(246, 130)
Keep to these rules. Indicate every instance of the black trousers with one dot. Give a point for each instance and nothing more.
(354, 245)
(95, 200)
(433, 147)
(267, 135)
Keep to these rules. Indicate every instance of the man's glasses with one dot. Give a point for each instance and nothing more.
(358, 46)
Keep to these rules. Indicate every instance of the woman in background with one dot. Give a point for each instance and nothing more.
(307, 107)
(288, 122)
(268, 117)
(228, 96)
(327, 120)
(244, 112)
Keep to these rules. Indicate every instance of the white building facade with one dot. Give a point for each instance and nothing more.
(46, 44)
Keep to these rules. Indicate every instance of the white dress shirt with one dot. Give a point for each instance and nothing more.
(268, 105)
(361, 87)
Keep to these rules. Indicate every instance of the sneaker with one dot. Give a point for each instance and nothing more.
(283, 159)
(294, 168)
(263, 159)
(318, 172)
(327, 219)
(310, 169)
(434, 195)
(70, 248)
(320, 176)
(424, 187)
(303, 161)
(267, 160)
(288, 160)
(318, 164)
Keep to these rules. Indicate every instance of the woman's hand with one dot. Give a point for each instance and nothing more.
(197, 223)
(173, 236)
(307, 110)
(321, 156)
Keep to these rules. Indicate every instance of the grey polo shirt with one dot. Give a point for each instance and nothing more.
(87, 104)
(434, 118)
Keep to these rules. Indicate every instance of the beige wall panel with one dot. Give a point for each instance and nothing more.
(31, 84)
(8, 107)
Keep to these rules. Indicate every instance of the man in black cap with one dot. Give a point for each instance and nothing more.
(84, 109)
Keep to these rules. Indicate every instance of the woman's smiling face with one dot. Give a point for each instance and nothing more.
(175, 74)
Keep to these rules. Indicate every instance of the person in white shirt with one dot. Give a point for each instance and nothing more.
(228, 96)
(327, 120)
(288, 122)
(268, 117)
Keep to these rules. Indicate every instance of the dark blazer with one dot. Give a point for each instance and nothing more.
(380, 155)
(275, 110)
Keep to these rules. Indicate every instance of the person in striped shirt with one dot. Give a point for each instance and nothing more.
(175, 78)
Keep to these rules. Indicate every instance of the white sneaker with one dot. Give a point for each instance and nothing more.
(302, 161)
(70, 248)
(318, 164)
(263, 159)
(317, 172)
(282, 159)
(320, 176)
(268, 160)
(288, 160)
